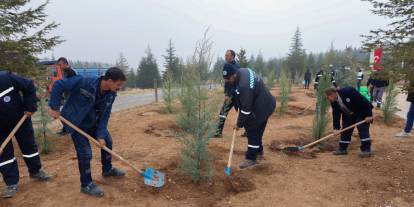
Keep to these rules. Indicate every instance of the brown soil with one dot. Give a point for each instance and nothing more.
(386, 179)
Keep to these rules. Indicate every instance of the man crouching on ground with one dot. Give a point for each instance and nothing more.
(255, 104)
(353, 107)
(89, 107)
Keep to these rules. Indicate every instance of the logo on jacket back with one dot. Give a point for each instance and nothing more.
(7, 99)
(348, 100)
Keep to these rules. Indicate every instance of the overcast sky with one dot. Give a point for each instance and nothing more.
(98, 30)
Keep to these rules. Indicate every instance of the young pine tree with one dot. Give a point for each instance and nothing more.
(390, 104)
(284, 92)
(169, 92)
(320, 119)
(196, 117)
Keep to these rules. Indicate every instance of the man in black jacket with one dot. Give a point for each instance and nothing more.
(227, 105)
(320, 74)
(12, 108)
(379, 84)
(349, 104)
(255, 104)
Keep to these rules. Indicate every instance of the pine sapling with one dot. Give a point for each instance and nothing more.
(320, 119)
(389, 107)
(169, 92)
(285, 87)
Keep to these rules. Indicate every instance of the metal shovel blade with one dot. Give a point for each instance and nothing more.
(227, 170)
(293, 149)
(153, 178)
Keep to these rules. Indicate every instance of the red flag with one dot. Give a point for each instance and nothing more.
(377, 59)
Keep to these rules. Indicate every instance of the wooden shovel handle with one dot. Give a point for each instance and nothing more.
(90, 138)
(232, 143)
(12, 133)
(334, 134)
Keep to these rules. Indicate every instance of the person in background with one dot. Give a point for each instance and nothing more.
(307, 78)
(379, 84)
(63, 63)
(410, 114)
(228, 90)
(360, 77)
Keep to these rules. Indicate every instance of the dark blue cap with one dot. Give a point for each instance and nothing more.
(228, 70)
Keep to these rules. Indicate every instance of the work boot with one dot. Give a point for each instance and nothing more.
(365, 154)
(41, 176)
(93, 190)
(114, 172)
(9, 191)
(403, 134)
(340, 152)
(247, 163)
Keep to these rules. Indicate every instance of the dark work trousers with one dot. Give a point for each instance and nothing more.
(254, 141)
(363, 130)
(227, 105)
(84, 154)
(26, 140)
(307, 82)
(410, 119)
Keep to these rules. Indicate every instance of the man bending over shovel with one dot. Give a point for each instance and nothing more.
(89, 106)
(353, 107)
(18, 98)
(255, 104)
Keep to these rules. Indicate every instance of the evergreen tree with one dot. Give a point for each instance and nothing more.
(284, 91)
(259, 65)
(397, 38)
(311, 63)
(24, 33)
(202, 57)
(296, 57)
(131, 79)
(122, 63)
(320, 119)
(169, 92)
(242, 59)
(196, 118)
(217, 73)
(389, 107)
(172, 62)
(148, 71)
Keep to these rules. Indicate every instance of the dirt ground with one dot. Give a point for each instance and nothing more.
(146, 136)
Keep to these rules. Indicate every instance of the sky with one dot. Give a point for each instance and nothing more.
(99, 30)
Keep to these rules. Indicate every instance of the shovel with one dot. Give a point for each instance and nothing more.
(301, 148)
(227, 170)
(11, 135)
(151, 177)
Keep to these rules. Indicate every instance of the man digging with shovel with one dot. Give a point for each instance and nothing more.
(14, 107)
(89, 107)
(255, 104)
(353, 107)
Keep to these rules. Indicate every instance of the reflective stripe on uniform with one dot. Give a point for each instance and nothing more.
(366, 139)
(8, 162)
(246, 112)
(31, 155)
(6, 91)
(345, 142)
(253, 146)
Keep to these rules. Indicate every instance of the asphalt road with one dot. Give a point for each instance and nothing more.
(134, 100)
